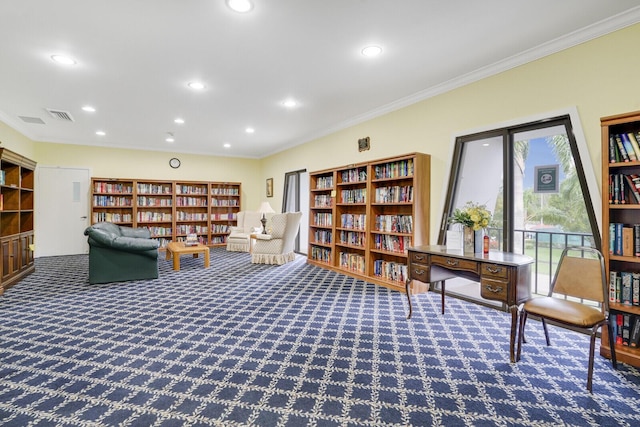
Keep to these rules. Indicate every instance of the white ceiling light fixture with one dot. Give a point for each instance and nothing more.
(170, 137)
(227, 145)
(196, 85)
(63, 60)
(249, 130)
(290, 103)
(100, 133)
(179, 121)
(371, 51)
(88, 109)
(240, 6)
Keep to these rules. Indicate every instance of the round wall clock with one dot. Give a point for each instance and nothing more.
(174, 163)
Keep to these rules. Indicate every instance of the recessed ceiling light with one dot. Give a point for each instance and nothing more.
(290, 103)
(240, 6)
(371, 51)
(196, 85)
(179, 121)
(170, 139)
(64, 60)
(88, 109)
(100, 133)
(227, 145)
(249, 130)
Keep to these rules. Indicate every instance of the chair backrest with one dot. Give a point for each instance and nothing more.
(581, 274)
(249, 219)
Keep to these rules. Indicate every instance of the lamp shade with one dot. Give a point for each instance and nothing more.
(265, 208)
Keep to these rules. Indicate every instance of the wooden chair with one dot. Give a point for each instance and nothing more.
(579, 277)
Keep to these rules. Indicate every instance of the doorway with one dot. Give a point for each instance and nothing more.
(296, 199)
(62, 211)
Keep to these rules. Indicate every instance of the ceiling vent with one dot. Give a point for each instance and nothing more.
(60, 115)
(33, 120)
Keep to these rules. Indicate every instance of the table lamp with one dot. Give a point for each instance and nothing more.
(264, 209)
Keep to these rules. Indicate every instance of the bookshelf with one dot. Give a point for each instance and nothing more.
(619, 206)
(16, 217)
(169, 209)
(363, 217)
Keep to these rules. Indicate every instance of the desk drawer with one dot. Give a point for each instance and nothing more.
(419, 272)
(494, 289)
(455, 263)
(494, 270)
(419, 258)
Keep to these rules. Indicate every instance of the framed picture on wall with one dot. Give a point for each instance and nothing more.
(269, 187)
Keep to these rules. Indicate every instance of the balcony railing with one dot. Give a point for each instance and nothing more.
(545, 247)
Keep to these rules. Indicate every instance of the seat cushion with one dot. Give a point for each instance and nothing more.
(564, 311)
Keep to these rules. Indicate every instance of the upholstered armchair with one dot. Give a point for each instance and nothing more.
(248, 223)
(118, 254)
(277, 246)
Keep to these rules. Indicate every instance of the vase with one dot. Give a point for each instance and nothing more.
(478, 246)
(468, 240)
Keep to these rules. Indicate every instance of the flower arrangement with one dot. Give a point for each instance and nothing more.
(472, 215)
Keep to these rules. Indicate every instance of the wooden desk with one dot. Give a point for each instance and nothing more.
(503, 276)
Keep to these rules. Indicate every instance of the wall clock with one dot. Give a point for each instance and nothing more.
(174, 163)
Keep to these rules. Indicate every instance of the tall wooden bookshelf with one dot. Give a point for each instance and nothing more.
(169, 209)
(627, 213)
(16, 217)
(363, 217)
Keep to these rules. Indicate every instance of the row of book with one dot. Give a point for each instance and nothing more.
(324, 182)
(357, 195)
(154, 217)
(187, 229)
(624, 147)
(220, 228)
(322, 201)
(624, 287)
(394, 170)
(322, 236)
(224, 216)
(112, 217)
(153, 188)
(624, 239)
(191, 189)
(354, 175)
(160, 231)
(395, 194)
(626, 329)
(351, 261)
(394, 223)
(153, 201)
(225, 191)
(390, 270)
(111, 201)
(386, 242)
(223, 202)
(191, 216)
(323, 219)
(191, 201)
(353, 221)
(112, 187)
(353, 238)
(624, 188)
(320, 254)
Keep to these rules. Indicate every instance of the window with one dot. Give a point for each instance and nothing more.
(531, 178)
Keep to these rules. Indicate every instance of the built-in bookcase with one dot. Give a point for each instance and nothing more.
(620, 213)
(169, 209)
(363, 217)
(16, 217)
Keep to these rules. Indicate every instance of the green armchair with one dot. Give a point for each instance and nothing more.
(118, 253)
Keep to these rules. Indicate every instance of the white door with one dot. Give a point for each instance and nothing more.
(62, 211)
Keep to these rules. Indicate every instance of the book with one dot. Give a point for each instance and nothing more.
(627, 146)
(634, 340)
(635, 289)
(627, 279)
(634, 144)
(632, 188)
(626, 329)
(613, 275)
(636, 240)
(627, 241)
(621, 149)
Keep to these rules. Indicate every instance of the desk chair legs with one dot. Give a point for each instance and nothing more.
(408, 291)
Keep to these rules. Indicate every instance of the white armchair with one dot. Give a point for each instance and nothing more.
(277, 247)
(248, 223)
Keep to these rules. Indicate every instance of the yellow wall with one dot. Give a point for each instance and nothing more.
(599, 77)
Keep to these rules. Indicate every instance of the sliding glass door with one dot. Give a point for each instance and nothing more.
(531, 178)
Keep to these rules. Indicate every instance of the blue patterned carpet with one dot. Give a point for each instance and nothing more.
(257, 345)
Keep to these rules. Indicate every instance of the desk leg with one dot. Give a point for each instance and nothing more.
(408, 291)
(514, 331)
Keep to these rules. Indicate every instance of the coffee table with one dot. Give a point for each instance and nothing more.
(176, 249)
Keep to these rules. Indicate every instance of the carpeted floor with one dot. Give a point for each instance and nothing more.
(295, 345)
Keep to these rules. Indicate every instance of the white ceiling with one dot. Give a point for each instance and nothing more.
(135, 58)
